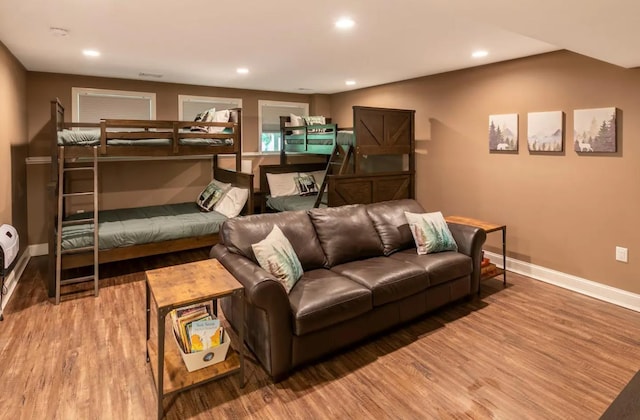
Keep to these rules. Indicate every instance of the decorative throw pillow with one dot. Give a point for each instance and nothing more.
(282, 184)
(313, 120)
(430, 232)
(306, 184)
(276, 255)
(211, 194)
(232, 202)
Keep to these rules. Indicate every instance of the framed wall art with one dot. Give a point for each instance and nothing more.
(594, 130)
(503, 132)
(545, 131)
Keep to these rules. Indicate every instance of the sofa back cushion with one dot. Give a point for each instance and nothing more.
(346, 233)
(391, 223)
(239, 233)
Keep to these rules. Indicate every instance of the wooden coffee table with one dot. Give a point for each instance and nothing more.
(174, 287)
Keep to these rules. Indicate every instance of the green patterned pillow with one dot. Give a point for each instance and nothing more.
(276, 255)
(211, 195)
(430, 232)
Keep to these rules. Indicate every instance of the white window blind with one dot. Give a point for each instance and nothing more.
(92, 105)
(269, 113)
(190, 106)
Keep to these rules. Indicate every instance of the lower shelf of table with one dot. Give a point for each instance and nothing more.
(176, 375)
(494, 273)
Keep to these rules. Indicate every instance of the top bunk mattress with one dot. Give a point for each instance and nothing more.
(92, 138)
(344, 138)
(142, 225)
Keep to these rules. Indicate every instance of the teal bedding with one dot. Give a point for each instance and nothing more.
(92, 138)
(127, 227)
(293, 202)
(344, 138)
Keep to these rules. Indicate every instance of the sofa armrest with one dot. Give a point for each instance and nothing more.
(470, 240)
(268, 316)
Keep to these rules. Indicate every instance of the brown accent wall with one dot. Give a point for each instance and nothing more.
(13, 143)
(132, 184)
(565, 212)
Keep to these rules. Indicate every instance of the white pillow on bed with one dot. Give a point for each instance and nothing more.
(232, 202)
(296, 121)
(282, 184)
(218, 116)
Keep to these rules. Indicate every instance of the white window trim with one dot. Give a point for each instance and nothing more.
(76, 92)
(236, 102)
(282, 104)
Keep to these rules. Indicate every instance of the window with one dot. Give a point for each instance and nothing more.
(92, 105)
(269, 113)
(190, 106)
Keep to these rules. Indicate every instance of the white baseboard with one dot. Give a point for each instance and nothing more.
(39, 249)
(12, 279)
(586, 287)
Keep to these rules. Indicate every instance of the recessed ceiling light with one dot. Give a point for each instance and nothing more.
(91, 53)
(479, 54)
(350, 82)
(242, 70)
(55, 31)
(345, 23)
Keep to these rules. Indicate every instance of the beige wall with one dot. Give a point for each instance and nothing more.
(13, 143)
(131, 184)
(564, 212)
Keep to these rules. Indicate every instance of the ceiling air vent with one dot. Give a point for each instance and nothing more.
(154, 75)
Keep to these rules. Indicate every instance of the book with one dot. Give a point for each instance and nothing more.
(182, 320)
(204, 334)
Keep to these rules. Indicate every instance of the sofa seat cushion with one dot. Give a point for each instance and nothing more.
(322, 298)
(440, 266)
(388, 279)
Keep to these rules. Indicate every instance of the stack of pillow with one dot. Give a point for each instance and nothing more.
(211, 115)
(295, 183)
(223, 198)
(301, 121)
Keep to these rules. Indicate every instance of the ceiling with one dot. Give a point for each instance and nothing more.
(293, 45)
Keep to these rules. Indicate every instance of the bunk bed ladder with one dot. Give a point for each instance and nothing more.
(62, 195)
(337, 165)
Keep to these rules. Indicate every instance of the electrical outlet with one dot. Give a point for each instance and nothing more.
(622, 254)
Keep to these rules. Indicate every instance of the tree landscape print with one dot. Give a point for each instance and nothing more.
(594, 130)
(503, 132)
(544, 131)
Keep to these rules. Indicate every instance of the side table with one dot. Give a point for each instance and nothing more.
(174, 287)
(488, 227)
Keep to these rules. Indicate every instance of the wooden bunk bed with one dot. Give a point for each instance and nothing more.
(317, 139)
(383, 142)
(76, 144)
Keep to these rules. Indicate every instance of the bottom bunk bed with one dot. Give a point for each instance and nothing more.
(341, 189)
(139, 232)
(279, 189)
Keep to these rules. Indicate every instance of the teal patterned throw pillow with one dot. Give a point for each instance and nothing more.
(276, 255)
(430, 232)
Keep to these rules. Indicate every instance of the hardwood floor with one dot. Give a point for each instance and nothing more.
(528, 351)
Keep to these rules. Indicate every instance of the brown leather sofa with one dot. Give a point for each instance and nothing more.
(362, 275)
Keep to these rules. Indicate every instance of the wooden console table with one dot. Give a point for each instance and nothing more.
(488, 227)
(174, 287)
